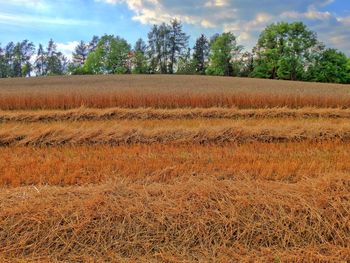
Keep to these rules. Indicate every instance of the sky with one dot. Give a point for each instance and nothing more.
(69, 21)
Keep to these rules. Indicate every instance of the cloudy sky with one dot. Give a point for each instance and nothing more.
(68, 21)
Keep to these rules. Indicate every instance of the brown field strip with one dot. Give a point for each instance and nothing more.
(187, 133)
(86, 114)
(158, 163)
(167, 92)
(164, 84)
(191, 219)
(169, 101)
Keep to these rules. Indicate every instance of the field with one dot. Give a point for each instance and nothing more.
(173, 169)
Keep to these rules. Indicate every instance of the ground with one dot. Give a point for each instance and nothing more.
(174, 169)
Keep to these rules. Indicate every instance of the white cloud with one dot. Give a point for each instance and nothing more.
(19, 20)
(212, 3)
(310, 14)
(344, 20)
(156, 11)
(246, 18)
(39, 5)
(67, 49)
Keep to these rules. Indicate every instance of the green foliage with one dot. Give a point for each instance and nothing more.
(187, 66)
(15, 59)
(223, 50)
(140, 63)
(282, 51)
(111, 56)
(330, 66)
(80, 54)
(54, 60)
(158, 48)
(245, 65)
(94, 63)
(40, 64)
(74, 69)
(3, 65)
(348, 70)
(178, 42)
(166, 44)
(200, 54)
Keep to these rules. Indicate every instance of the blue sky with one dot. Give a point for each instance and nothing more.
(68, 21)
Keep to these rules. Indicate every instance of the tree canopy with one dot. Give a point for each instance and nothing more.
(223, 50)
(283, 50)
(288, 51)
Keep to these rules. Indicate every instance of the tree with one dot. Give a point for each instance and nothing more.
(154, 49)
(111, 56)
(140, 46)
(118, 56)
(178, 42)
(140, 65)
(245, 65)
(223, 51)
(80, 54)
(348, 70)
(40, 64)
(200, 54)
(163, 38)
(330, 66)
(56, 61)
(76, 67)
(9, 59)
(283, 50)
(16, 59)
(158, 48)
(187, 66)
(95, 62)
(166, 44)
(93, 43)
(22, 52)
(3, 66)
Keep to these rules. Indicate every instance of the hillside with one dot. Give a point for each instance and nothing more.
(173, 169)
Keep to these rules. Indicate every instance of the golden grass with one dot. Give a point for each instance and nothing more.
(83, 165)
(88, 114)
(201, 218)
(166, 92)
(170, 101)
(173, 169)
(128, 133)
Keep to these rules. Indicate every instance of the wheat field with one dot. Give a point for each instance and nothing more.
(173, 169)
(170, 92)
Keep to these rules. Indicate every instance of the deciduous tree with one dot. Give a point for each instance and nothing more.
(330, 66)
(111, 56)
(223, 51)
(282, 51)
(140, 65)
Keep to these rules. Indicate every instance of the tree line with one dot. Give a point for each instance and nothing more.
(288, 51)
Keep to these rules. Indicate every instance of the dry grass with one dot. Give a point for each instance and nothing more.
(167, 92)
(102, 134)
(170, 101)
(188, 132)
(88, 114)
(173, 169)
(164, 84)
(84, 165)
(201, 218)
